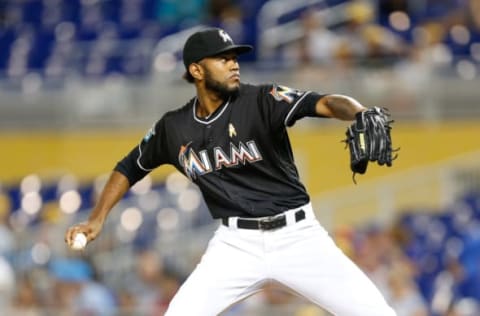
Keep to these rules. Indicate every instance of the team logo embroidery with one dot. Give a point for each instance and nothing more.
(192, 163)
(231, 130)
(197, 164)
(226, 38)
(283, 93)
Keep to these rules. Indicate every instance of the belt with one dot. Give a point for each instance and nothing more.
(266, 223)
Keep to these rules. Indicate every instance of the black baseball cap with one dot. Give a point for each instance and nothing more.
(210, 42)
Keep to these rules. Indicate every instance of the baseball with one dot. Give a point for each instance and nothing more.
(79, 242)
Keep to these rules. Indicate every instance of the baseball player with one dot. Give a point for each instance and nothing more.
(231, 140)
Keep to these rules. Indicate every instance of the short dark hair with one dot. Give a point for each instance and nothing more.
(188, 77)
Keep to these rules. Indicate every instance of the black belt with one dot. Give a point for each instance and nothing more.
(266, 223)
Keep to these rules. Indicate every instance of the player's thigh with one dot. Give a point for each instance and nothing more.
(229, 271)
(317, 269)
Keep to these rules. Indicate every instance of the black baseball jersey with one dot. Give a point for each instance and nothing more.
(239, 156)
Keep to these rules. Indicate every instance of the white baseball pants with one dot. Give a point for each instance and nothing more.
(301, 256)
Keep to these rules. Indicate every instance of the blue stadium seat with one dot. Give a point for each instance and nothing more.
(137, 19)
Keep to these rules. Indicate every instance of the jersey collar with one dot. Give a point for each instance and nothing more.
(211, 118)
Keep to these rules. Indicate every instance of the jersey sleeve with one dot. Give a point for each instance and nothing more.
(286, 105)
(150, 153)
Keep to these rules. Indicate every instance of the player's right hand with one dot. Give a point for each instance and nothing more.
(91, 229)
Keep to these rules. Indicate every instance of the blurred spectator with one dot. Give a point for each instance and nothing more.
(461, 276)
(358, 41)
(149, 272)
(446, 286)
(474, 9)
(153, 286)
(126, 301)
(95, 299)
(7, 286)
(364, 41)
(27, 301)
(403, 294)
(168, 287)
(464, 307)
(7, 242)
(275, 294)
(373, 255)
(473, 19)
(227, 15)
(428, 44)
(222, 9)
(319, 45)
(386, 7)
(2, 13)
(76, 292)
(470, 261)
(378, 254)
(274, 299)
(182, 14)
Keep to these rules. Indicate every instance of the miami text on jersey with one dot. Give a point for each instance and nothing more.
(195, 164)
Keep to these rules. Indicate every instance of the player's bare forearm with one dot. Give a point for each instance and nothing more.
(117, 185)
(338, 106)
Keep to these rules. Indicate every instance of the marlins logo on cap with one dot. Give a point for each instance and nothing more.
(208, 43)
(225, 36)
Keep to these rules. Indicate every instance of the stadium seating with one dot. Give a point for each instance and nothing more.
(97, 38)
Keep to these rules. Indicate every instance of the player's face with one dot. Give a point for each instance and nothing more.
(222, 74)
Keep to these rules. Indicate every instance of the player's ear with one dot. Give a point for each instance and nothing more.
(196, 71)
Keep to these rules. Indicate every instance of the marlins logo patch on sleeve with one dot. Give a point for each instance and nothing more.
(283, 93)
(150, 133)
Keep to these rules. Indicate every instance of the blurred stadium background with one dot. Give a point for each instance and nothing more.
(81, 81)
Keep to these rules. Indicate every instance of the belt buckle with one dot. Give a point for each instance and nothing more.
(272, 222)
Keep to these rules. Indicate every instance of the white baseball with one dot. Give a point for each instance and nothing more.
(79, 241)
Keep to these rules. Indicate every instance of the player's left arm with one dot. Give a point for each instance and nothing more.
(338, 106)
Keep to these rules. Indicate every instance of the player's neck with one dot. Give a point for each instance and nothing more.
(207, 103)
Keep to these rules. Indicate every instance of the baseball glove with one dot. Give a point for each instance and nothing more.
(368, 139)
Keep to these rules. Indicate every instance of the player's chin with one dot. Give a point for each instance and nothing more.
(234, 84)
(231, 90)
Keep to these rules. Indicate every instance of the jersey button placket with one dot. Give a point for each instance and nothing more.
(208, 134)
